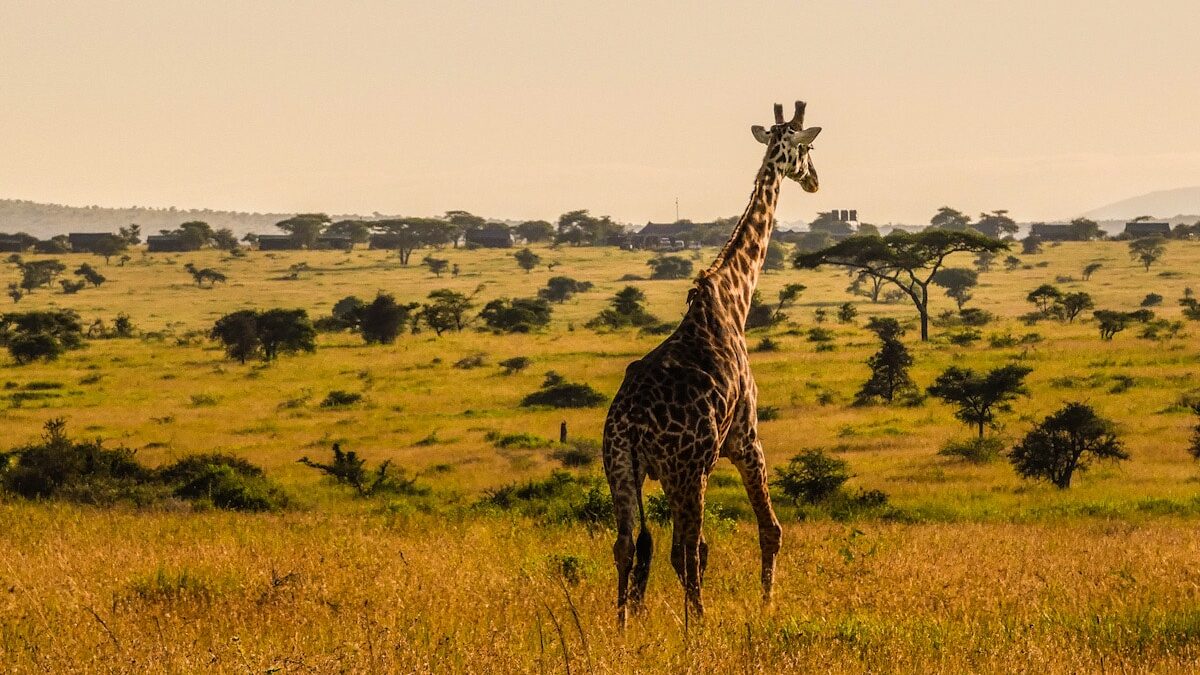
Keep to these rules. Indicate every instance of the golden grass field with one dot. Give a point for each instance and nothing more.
(986, 572)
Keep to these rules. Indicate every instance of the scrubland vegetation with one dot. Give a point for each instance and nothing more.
(452, 530)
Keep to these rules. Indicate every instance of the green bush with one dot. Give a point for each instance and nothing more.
(558, 393)
(578, 453)
(87, 472)
(339, 399)
(811, 476)
(521, 441)
(974, 450)
(561, 498)
(347, 468)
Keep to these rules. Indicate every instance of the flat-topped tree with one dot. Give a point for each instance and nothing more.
(908, 261)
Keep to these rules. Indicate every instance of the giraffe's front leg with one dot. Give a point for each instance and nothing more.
(752, 466)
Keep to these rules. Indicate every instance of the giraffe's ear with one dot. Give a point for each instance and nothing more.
(760, 134)
(806, 136)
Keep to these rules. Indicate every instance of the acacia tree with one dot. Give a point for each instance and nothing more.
(889, 365)
(958, 282)
(560, 289)
(534, 231)
(947, 218)
(446, 310)
(1064, 443)
(1044, 297)
(1090, 269)
(435, 265)
(1147, 251)
(305, 227)
(1072, 304)
(995, 224)
(977, 397)
(907, 260)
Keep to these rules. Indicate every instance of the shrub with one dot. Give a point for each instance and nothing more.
(974, 450)
(58, 464)
(965, 337)
(515, 365)
(519, 315)
(1064, 443)
(470, 362)
(565, 395)
(811, 476)
(1152, 300)
(670, 267)
(338, 399)
(561, 498)
(578, 453)
(767, 413)
(520, 441)
(226, 483)
(766, 345)
(626, 309)
(973, 316)
(86, 471)
(347, 468)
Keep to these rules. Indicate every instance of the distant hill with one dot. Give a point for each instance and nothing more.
(47, 220)
(1182, 204)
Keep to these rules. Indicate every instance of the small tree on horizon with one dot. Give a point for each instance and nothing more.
(1066, 442)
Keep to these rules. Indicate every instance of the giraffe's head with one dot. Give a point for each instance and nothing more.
(788, 145)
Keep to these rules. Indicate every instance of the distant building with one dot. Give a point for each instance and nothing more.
(167, 243)
(668, 236)
(493, 236)
(1053, 231)
(1144, 228)
(340, 242)
(88, 242)
(13, 245)
(386, 241)
(278, 242)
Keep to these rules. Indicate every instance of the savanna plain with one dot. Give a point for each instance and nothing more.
(496, 557)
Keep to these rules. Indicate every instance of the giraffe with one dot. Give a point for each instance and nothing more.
(693, 398)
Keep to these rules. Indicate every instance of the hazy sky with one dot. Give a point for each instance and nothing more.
(529, 109)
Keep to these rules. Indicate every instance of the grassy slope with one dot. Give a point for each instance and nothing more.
(1067, 593)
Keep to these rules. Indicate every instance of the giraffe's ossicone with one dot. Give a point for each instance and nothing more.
(693, 398)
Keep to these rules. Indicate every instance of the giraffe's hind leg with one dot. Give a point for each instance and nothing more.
(626, 550)
(687, 513)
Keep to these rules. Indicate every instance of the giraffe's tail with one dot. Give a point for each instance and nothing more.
(644, 548)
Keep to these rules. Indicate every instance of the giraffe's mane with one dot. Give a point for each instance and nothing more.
(741, 225)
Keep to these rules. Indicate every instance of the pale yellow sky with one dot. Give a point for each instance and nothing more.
(529, 109)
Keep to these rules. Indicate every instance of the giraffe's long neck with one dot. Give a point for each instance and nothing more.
(734, 274)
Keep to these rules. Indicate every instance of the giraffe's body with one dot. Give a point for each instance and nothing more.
(693, 398)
